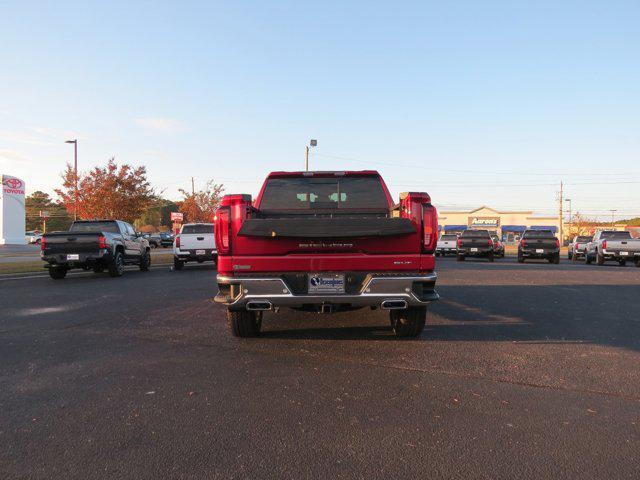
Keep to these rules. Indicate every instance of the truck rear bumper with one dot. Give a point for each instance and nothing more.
(386, 292)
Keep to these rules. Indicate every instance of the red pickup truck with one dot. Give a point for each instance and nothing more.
(326, 242)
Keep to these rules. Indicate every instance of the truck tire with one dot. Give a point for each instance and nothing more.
(520, 258)
(98, 269)
(587, 258)
(599, 259)
(622, 262)
(177, 264)
(243, 323)
(145, 262)
(491, 257)
(57, 273)
(556, 259)
(116, 266)
(408, 322)
(637, 261)
(460, 258)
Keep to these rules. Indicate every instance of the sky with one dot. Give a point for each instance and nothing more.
(477, 103)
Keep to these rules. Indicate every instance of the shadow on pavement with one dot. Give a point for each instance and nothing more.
(602, 314)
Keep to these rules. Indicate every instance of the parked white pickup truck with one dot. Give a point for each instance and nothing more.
(613, 245)
(447, 244)
(195, 243)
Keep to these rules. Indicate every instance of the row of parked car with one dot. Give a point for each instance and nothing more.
(605, 246)
(111, 245)
(535, 244)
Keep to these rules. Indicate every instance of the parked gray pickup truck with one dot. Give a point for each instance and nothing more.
(612, 245)
(95, 245)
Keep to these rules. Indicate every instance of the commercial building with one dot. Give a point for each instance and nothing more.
(509, 226)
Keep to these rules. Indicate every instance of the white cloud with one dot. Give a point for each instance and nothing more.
(11, 157)
(21, 137)
(60, 135)
(160, 124)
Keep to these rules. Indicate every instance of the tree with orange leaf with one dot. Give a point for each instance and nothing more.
(110, 192)
(199, 206)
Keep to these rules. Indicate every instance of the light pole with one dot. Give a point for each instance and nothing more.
(613, 211)
(312, 143)
(75, 177)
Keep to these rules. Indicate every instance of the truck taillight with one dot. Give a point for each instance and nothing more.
(43, 244)
(429, 228)
(604, 244)
(557, 243)
(223, 243)
(177, 241)
(522, 243)
(102, 242)
(459, 242)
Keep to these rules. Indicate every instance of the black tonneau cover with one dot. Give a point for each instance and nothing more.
(323, 227)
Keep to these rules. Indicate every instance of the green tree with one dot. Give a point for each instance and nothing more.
(39, 201)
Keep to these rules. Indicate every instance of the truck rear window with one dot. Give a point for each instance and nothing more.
(300, 194)
(201, 228)
(538, 234)
(475, 233)
(583, 239)
(448, 237)
(616, 235)
(86, 227)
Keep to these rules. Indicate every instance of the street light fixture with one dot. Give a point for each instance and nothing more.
(75, 177)
(312, 143)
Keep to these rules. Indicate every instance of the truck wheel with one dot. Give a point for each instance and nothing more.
(491, 257)
(556, 259)
(520, 258)
(587, 258)
(622, 262)
(177, 264)
(599, 259)
(460, 258)
(57, 273)
(637, 262)
(408, 322)
(145, 262)
(98, 269)
(116, 267)
(243, 323)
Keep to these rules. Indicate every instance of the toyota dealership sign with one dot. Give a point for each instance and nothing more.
(12, 211)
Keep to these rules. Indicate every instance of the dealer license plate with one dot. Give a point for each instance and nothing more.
(200, 252)
(73, 256)
(474, 249)
(323, 283)
(539, 250)
(624, 254)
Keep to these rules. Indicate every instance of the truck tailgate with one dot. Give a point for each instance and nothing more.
(71, 242)
(197, 241)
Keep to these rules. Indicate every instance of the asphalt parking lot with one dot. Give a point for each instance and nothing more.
(524, 371)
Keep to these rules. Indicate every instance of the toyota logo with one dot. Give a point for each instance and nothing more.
(14, 183)
(315, 281)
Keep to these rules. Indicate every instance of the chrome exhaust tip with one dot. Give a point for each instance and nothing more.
(393, 305)
(259, 305)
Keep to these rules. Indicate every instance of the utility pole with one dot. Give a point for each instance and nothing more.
(193, 187)
(561, 214)
(613, 211)
(312, 143)
(75, 177)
